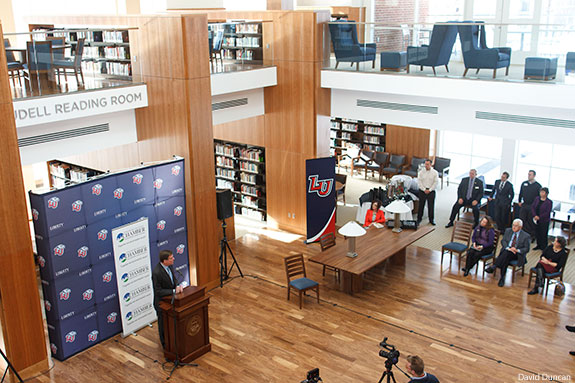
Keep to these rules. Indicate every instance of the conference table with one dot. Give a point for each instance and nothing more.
(375, 247)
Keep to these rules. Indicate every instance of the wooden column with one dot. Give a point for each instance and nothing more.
(20, 308)
(412, 142)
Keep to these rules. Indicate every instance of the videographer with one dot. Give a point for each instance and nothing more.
(415, 367)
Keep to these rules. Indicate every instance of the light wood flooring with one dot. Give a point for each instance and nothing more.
(466, 329)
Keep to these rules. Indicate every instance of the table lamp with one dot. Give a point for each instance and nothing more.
(351, 230)
(397, 207)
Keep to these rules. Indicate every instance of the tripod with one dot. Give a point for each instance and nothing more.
(224, 248)
(10, 367)
(389, 373)
(177, 362)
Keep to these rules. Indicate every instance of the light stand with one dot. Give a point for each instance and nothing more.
(177, 362)
(9, 367)
(224, 248)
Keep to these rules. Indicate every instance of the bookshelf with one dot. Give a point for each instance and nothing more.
(241, 41)
(106, 51)
(241, 168)
(63, 174)
(362, 134)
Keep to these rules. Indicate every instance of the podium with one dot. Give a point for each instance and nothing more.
(186, 324)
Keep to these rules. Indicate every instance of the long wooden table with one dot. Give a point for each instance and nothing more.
(377, 246)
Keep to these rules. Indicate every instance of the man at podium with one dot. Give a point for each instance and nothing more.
(165, 284)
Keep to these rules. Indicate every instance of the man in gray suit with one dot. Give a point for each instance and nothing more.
(514, 247)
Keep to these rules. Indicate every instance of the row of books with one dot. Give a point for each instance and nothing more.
(255, 214)
(249, 178)
(242, 42)
(110, 68)
(224, 184)
(227, 173)
(375, 148)
(374, 130)
(348, 127)
(113, 37)
(371, 139)
(247, 189)
(226, 150)
(224, 161)
(252, 202)
(243, 54)
(249, 166)
(251, 154)
(248, 28)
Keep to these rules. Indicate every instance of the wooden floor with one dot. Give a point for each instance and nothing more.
(466, 329)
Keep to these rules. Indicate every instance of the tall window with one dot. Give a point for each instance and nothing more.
(468, 151)
(554, 166)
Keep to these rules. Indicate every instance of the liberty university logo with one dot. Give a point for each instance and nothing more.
(35, 214)
(71, 337)
(158, 183)
(321, 187)
(97, 189)
(87, 295)
(53, 202)
(65, 294)
(93, 336)
(137, 179)
(83, 252)
(176, 170)
(178, 211)
(111, 318)
(107, 277)
(118, 193)
(180, 249)
(59, 250)
(102, 235)
(161, 225)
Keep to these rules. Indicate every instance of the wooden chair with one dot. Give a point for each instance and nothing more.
(396, 161)
(489, 257)
(460, 238)
(326, 241)
(378, 163)
(442, 166)
(341, 192)
(72, 64)
(549, 276)
(295, 266)
(360, 162)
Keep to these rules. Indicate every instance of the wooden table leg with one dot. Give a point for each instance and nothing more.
(398, 259)
(351, 283)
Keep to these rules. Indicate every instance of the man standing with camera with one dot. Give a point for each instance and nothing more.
(415, 368)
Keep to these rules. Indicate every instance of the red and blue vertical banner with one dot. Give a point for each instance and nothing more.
(320, 197)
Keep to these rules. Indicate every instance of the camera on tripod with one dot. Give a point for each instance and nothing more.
(312, 376)
(389, 352)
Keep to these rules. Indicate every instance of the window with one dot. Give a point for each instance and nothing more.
(475, 151)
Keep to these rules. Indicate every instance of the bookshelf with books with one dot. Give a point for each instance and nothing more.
(63, 174)
(241, 168)
(361, 134)
(242, 41)
(106, 50)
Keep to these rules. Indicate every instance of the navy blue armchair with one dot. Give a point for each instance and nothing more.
(438, 52)
(476, 54)
(346, 46)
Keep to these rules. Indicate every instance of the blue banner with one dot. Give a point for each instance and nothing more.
(320, 197)
(73, 229)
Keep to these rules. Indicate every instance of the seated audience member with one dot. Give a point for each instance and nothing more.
(415, 368)
(374, 214)
(481, 244)
(469, 193)
(514, 246)
(552, 260)
(541, 212)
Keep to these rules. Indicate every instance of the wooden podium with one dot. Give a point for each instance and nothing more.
(186, 324)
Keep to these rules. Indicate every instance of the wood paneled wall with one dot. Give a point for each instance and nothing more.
(20, 309)
(409, 141)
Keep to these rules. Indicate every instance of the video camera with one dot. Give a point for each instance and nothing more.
(312, 376)
(389, 352)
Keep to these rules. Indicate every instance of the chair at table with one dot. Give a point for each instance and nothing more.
(396, 161)
(14, 66)
(549, 276)
(488, 259)
(345, 160)
(413, 168)
(39, 62)
(326, 241)
(216, 50)
(460, 239)
(442, 166)
(74, 64)
(295, 267)
(476, 54)
(365, 155)
(438, 52)
(342, 178)
(346, 46)
(378, 163)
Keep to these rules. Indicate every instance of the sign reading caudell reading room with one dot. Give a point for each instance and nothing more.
(43, 110)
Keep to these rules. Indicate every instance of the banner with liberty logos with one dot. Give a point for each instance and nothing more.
(320, 197)
(131, 245)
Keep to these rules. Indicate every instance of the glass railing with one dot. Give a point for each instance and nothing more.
(467, 49)
(240, 45)
(65, 60)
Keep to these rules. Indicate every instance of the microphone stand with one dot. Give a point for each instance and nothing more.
(177, 362)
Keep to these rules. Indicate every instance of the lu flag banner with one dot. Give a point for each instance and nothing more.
(135, 290)
(320, 197)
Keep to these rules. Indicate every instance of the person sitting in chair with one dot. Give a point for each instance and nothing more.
(374, 214)
(552, 260)
(415, 368)
(514, 246)
(482, 244)
(469, 194)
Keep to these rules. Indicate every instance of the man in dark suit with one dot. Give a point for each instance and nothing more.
(416, 369)
(514, 246)
(469, 193)
(165, 284)
(501, 198)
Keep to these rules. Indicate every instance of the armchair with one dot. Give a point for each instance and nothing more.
(378, 162)
(476, 54)
(442, 167)
(73, 64)
(570, 62)
(14, 66)
(341, 178)
(412, 169)
(346, 46)
(396, 161)
(365, 156)
(438, 52)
